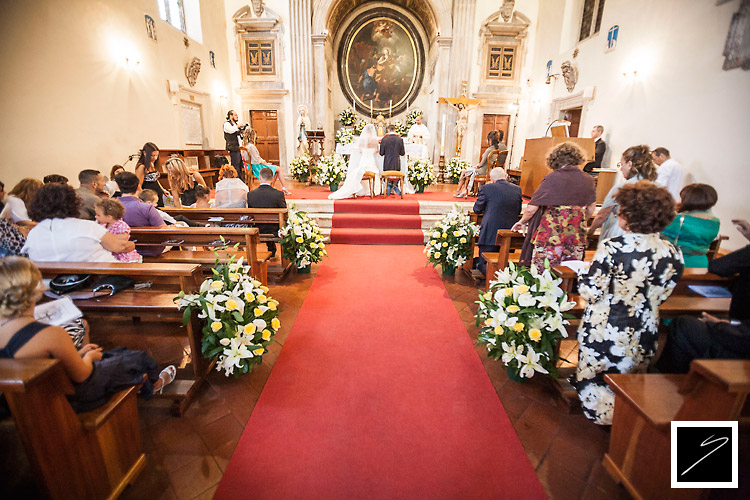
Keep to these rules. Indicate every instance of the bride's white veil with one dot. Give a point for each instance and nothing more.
(368, 137)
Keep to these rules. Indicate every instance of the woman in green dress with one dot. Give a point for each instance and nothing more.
(695, 227)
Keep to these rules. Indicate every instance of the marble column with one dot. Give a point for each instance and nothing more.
(322, 84)
(300, 14)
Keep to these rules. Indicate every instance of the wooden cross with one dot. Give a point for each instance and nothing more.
(463, 105)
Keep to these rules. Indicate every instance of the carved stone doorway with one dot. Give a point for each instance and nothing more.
(266, 125)
(493, 122)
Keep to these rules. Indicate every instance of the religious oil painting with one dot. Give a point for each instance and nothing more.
(381, 62)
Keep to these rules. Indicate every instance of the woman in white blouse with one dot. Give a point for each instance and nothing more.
(18, 199)
(231, 192)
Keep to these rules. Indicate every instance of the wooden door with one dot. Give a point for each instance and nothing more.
(266, 124)
(493, 122)
(574, 117)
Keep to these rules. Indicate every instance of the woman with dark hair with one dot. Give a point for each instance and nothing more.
(558, 211)
(148, 172)
(60, 236)
(111, 186)
(19, 198)
(695, 227)
(60, 179)
(468, 174)
(257, 162)
(629, 278)
(635, 164)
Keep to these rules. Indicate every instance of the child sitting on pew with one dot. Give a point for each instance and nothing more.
(149, 196)
(109, 214)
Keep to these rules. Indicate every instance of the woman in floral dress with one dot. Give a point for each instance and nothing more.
(630, 276)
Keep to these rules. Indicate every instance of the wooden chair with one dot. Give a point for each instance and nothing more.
(494, 159)
(92, 455)
(370, 178)
(646, 404)
(392, 175)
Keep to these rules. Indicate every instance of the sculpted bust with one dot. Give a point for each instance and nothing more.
(570, 74)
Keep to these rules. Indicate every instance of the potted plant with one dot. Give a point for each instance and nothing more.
(421, 174)
(302, 241)
(454, 167)
(240, 318)
(450, 241)
(331, 170)
(521, 319)
(300, 167)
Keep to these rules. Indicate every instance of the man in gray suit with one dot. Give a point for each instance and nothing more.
(500, 203)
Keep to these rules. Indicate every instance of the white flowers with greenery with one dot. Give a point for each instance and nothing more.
(344, 136)
(402, 128)
(241, 319)
(331, 169)
(454, 167)
(421, 172)
(521, 319)
(347, 117)
(300, 167)
(301, 239)
(411, 116)
(450, 240)
(359, 127)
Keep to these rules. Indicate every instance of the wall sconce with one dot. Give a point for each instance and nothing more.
(132, 62)
(629, 73)
(550, 77)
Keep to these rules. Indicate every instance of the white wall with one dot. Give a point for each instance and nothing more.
(70, 102)
(680, 97)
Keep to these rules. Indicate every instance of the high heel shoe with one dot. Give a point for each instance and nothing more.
(286, 191)
(171, 373)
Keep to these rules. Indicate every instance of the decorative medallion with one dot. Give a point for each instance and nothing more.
(381, 62)
(191, 71)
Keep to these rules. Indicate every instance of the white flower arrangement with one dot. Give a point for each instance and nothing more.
(331, 169)
(241, 319)
(411, 116)
(301, 239)
(454, 167)
(421, 172)
(402, 129)
(450, 240)
(521, 318)
(347, 117)
(344, 136)
(359, 127)
(300, 167)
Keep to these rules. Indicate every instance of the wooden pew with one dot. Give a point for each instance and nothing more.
(92, 455)
(155, 303)
(645, 406)
(230, 216)
(207, 237)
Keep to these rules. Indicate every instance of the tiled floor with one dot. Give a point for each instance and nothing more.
(187, 456)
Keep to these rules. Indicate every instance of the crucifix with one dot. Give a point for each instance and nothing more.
(463, 105)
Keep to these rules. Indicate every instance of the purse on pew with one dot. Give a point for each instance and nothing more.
(67, 284)
(113, 283)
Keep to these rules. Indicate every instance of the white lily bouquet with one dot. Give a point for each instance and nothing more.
(241, 319)
(359, 127)
(421, 172)
(454, 167)
(300, 167)
(344, 136)
(411, 116)
(332, 169)
(301, 240)
(347, 117)
(450, 241)
(521, 318)
(402, 128)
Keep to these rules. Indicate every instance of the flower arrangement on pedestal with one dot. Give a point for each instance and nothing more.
(411, 116)
(454, 167)
(450, 241)
(347, 117)
(521, 318)
(300, 168)
(331, 170)
(402, 129)
(241, 319)
(421, 173)
(359, 127)
(344, 136)
(301, 240)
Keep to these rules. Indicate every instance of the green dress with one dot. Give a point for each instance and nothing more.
(693, 234)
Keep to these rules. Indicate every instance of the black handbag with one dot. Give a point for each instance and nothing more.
(66, 283)
(113, 283)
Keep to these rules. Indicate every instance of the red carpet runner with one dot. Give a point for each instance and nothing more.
(378, 393)
(377, 222)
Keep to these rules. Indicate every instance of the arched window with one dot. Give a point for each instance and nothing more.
(185, 15)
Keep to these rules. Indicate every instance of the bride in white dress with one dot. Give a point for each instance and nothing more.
(362, 160)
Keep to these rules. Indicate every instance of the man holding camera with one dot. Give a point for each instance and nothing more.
(232, 135)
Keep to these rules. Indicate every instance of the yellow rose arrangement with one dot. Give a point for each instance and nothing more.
(241, 320)
(521, 319)
(449, 243)
(301, 240)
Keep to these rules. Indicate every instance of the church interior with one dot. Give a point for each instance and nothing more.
(377, 383)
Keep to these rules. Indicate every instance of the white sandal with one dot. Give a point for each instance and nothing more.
(171, 373)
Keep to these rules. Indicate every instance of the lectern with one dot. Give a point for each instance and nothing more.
(534, 164)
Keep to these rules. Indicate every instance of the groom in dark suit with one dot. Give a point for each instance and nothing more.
(500, 203)
(265, 196)
(391, 149)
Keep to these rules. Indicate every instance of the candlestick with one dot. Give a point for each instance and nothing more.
(442, 138)
(390, 109)
(370, 109)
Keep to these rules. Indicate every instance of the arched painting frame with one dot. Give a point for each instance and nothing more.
(381, 59)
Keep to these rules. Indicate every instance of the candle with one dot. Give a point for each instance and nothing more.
(407, 108)
(370, 109)
(390, 109)
(442, 139)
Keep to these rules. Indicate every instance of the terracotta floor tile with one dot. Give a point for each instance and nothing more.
(559, 483)
(208, 494)
(153, 482)
(571, 456)
(225, 430)
(198, 475)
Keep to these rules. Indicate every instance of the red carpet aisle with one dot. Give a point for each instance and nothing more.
(316, 192)
(378, 393)
(377, 222)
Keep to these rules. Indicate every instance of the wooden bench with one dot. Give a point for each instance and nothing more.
(181, 237)
(92, 455)
(645, 406)
(155, 303)
(230, 216)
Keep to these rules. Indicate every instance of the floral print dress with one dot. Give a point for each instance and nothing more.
(561, 235)
(630, 276)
